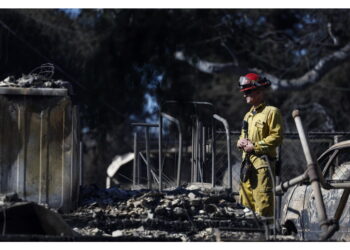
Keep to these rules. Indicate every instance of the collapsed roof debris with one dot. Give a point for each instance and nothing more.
(40, 77)
(182, 214)
(33, 81)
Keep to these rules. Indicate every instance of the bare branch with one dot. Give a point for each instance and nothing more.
(277, 36)
(205, 66)
(323, 66)
(335, 40)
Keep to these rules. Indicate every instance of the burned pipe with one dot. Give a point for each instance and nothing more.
(135, 165)
(149, 184)
(177, 122)
(312, 172)
(284, 186)
(312, 168)
(160, 154)
(148, 162)
(228, 139)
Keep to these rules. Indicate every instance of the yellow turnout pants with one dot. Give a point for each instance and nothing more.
(256, 193)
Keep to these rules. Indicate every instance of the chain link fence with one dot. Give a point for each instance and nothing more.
(291, 158)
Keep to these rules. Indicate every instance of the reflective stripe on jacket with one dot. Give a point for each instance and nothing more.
(265, 131)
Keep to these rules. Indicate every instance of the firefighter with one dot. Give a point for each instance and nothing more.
(261, 135)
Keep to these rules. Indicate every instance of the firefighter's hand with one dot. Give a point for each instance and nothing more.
(249, 147)
(241, 143)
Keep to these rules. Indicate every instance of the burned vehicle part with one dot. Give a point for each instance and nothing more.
(299, 210)
(305, 207)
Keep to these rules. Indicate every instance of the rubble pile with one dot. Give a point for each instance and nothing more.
(34, 81)
(180, 214)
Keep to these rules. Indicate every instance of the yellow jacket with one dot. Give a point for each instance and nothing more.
(265, 131)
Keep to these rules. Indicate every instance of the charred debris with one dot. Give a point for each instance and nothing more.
(192, 213)
(40, 77)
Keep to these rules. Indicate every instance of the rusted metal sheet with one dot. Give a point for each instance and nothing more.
(39, 147)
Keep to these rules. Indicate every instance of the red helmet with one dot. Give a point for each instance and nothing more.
(252, 81)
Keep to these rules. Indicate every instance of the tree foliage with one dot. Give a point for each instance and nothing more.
(120, 59)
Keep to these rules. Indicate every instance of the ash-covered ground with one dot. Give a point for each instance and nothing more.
(181, 214)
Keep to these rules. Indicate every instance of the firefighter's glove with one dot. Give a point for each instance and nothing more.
(249, 147)
(242, 143)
